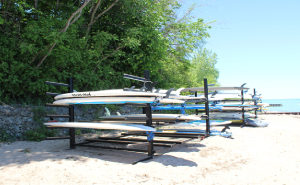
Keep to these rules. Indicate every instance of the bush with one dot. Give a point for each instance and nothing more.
(4, 136)
(39, 134)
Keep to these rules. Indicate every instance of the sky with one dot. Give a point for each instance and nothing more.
(257, 42)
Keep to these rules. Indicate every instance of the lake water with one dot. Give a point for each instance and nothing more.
(288, 105)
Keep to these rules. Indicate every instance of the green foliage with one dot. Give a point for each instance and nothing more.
(38, 114)
(134, 35)
(4, 136)
(77, 132)
(203, 63)
(41, 132)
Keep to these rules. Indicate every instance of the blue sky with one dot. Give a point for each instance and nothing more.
(257, 42)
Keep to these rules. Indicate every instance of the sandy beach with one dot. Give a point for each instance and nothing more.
(267, 155)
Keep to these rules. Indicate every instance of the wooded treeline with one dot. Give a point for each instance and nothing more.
(96, 41)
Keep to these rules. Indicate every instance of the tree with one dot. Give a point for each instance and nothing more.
(203, 63)
(94, 41)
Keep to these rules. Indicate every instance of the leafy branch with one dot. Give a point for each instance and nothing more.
(72, 19)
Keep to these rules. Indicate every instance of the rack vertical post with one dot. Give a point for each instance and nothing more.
(196, 95)
(148, 111)
(72, 117)
(255, 102)
(243, 109)
(148, 83)
(206, 107)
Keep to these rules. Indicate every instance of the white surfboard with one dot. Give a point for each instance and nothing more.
(115, 100)
(193, 125)
(166, 117)
(172, 93)
(176, 95)
(194, 89)
(230, 115)
(170, 100)
(99, 125)
(186, 98)
(107, 93)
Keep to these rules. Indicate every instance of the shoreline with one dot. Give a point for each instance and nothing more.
(266, 155)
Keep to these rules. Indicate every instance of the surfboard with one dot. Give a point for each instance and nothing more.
(186, 107)
(170, 100)
(155, 117)
(194, 124)
(195, 89)
(187, 98)
(230, 115)
(108, 93)
(99, 125)
(198, 131)
(173, 93)
(176, 95)
(237, 105)
(115, 100)
(106, 100)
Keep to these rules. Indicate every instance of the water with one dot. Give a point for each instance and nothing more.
(288, 105)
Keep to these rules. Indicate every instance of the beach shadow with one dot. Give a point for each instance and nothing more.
(188, 147)
(24, 152)
(169, 160)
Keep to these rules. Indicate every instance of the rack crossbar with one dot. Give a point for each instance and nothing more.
(142, 140)
(114, 148)
(56, 105)
(126, 142)
(58, 116)
(57, 84)
(57, 138)
(52, 94)
(175, 135)
(132, 77)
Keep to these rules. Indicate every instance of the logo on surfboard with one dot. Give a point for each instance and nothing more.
(81, 94)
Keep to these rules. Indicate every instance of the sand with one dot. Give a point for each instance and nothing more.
(268, 155)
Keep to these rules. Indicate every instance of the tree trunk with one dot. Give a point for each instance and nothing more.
(70, 21)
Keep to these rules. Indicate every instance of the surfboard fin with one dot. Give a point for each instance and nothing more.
(107, 112)
(129, 89)
(169, 92)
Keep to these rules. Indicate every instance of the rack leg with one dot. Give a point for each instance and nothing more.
(72, 138)
(150, 137)
(71, 118)
(206, 108)
(148, 113)
(150, 148)
(243, 109)
(243, 116)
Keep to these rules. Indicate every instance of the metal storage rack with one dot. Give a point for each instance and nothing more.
(148, 85)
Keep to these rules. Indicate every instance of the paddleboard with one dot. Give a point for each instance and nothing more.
(187, 98)
(237, 105)
(107, 93)
(115, 100)
(155, 117)
(170, 100)
(173, 93)
(194, 124)
(230, 115)
(186, 107)
(234, 109)
(106, 100)
(99, 125)
(195, 89)
(198, 131)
